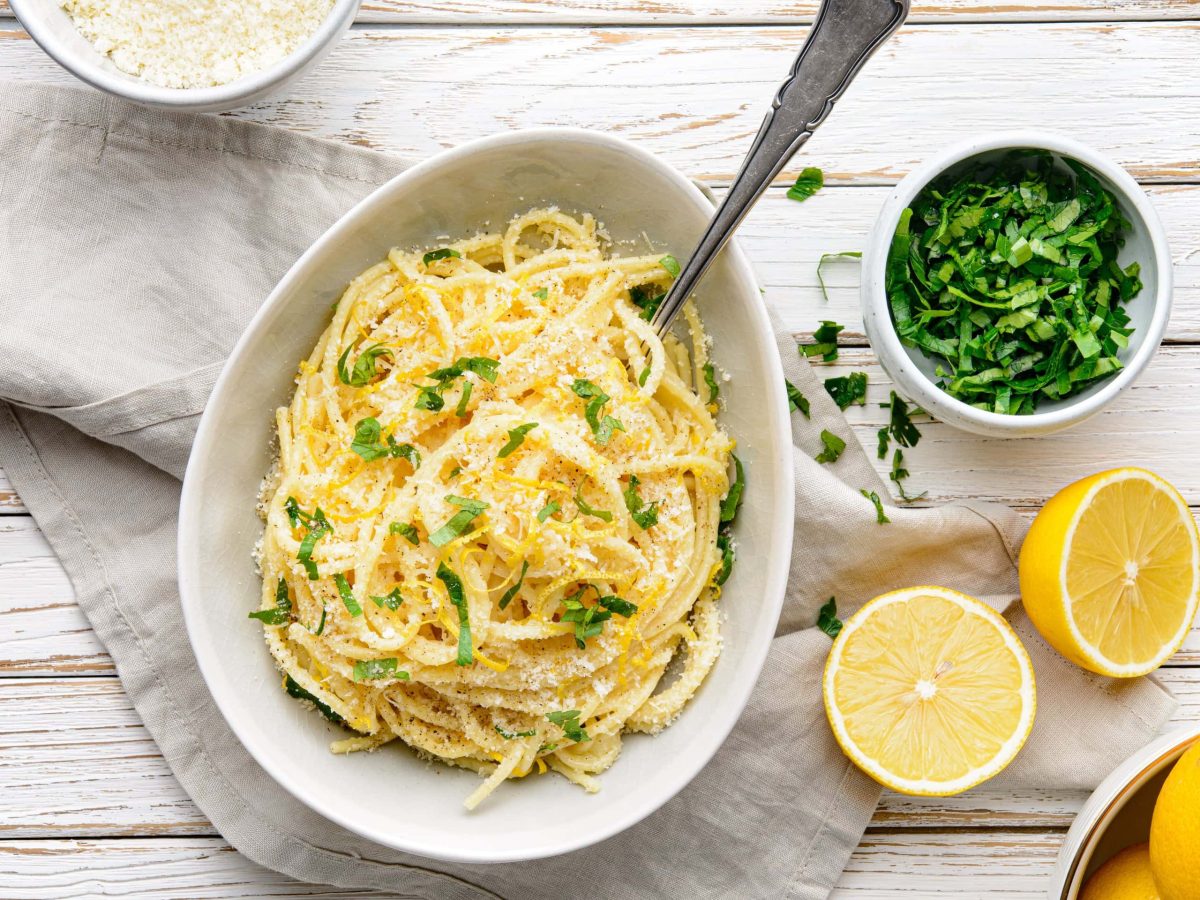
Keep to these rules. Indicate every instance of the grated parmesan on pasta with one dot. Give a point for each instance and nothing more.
(196, 43)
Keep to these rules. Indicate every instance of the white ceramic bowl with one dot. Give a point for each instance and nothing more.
(1146, 242)
(55, 33)
(392, 796)
(1118, 813)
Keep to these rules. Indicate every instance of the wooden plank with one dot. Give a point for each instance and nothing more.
(752, 12)
(79, 763)
(180, 869)
(886, 866)
(10, 503)
(745, 12)
(697, 95)
(44, 630)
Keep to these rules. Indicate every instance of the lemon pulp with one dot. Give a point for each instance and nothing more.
(929, 691)
(1129, 571)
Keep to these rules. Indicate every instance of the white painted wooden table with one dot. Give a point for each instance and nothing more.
(87, 805)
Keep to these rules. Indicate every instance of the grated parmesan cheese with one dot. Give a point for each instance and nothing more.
(196, 43)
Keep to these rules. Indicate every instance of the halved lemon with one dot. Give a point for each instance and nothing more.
(929, 691)
(1110, 571)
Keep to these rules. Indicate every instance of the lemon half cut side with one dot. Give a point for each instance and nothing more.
(929, 691)
(1110, 572)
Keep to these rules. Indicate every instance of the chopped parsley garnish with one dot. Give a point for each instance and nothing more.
(880, 515)
(589, 620)
(391, 600)
(733, 499)
(406, 531)
(901, 429)
(618, 605)
(602, 428)
(295, 690)
(641, 297)
(645, 373)
(429, 397)
(847, 390)
(671, 264)
(568, 721)
(825, 339)
(587, 510)
(512, 591)
(827, 619)
(317, 527)
(796, 400)
(464, 399)
(373, 669)
(725, 545)
(513, 735)
(443, 253)
(460, 522)
(807, 183)
(454, 590)
(829, 257)
(282, 612)
(645, 515)
(516, 437)
(899, 473)
(368, 445)
(729, 510)
(548, 510)
(541, 293)
(834, 446)
(710, 380)
(347, 595)
(1007, 275)
(364, 366)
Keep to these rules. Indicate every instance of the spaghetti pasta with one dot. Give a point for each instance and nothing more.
(494, 518)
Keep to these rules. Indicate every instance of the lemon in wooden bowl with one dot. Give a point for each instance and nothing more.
(1175, 830)
(1127, 876)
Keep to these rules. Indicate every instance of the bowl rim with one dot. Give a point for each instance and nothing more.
(778, 556)
(877, 314)
(1107, 800)
(222, 96)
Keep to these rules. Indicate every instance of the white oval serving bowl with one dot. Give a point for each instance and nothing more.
(50, 26)
(913, 372)
(391, 796)
(1118, 813)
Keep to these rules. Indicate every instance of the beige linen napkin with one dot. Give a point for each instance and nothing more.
(136, 247)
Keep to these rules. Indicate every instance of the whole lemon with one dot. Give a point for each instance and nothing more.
(1175, 831)
(1126, 876)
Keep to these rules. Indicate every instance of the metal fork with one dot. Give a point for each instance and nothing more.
(843, 37)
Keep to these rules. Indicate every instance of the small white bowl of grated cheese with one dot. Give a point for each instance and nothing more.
(198, 55)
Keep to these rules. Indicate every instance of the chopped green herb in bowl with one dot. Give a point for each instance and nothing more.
(1017, 287)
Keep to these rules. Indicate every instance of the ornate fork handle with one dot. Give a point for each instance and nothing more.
(842, 39)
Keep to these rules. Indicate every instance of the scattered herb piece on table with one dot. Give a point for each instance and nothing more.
(847, 390)
(796, 400)
(830, 257)
(827, 619)
(834, 446)
(824, 342)
(880, 515)
(807, 183)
